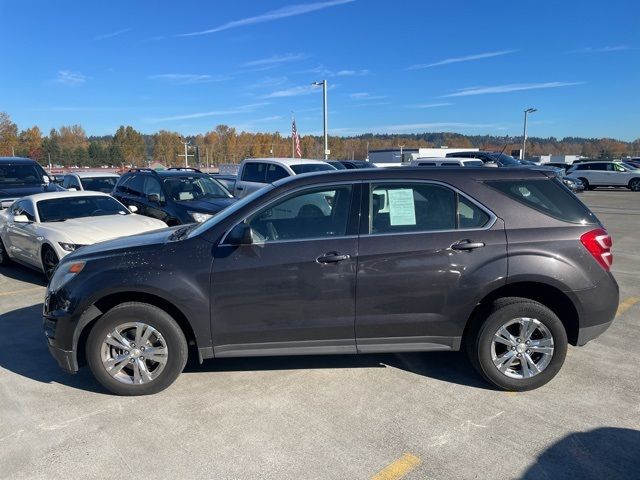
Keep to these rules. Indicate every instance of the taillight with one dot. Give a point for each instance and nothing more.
(598, 242)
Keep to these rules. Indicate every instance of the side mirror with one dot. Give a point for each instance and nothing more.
(46, 179)
(21, 219)
(72, 189)
(153, 197)
(133, 208)
(240, 235)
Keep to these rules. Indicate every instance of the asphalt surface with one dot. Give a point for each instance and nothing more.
(413, 416)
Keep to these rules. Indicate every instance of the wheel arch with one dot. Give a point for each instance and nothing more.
(551, 297)
(106, 303)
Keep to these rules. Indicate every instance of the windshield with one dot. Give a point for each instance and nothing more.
(21, 174)
(188, 188)
(99, 184)
(630, 166)
(311, 167)
(221, 215)
(65, 208)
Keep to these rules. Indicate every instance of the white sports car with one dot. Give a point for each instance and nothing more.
(40, 229)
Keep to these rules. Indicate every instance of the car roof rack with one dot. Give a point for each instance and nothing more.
(185, 169)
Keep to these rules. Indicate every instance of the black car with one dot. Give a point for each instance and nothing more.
(229, 181)
(505, 263)
(175, 196)
(20, 177)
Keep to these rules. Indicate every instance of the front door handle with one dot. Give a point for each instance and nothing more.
(467, 245)
(332, 257)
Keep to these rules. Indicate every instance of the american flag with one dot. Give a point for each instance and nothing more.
(296, 138)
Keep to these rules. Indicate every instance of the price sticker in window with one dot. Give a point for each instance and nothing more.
(402, 209)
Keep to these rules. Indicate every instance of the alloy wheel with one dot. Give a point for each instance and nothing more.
(522, 348)
(635, 185)
(50, 262)
(134, 353)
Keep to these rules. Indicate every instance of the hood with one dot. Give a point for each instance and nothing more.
(19, 191)
(90, 230)
(208, 205)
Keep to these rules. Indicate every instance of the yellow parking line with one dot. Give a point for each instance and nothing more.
(399, 468)
(626, 305)
(24, 290)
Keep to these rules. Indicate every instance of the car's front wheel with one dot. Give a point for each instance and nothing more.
(634, 185)
(4, 256)
(520, 346)
(136, 349)
(49, 261)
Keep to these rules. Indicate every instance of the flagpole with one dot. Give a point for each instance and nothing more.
(293, 140)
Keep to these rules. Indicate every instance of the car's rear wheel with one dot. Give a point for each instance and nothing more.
(520, 346)
(634, 185)
(4, 256)
(49, 261)
(136, 349)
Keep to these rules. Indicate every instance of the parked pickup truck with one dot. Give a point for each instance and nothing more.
(255, 173)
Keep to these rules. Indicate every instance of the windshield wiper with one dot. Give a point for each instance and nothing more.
(56, 220)
(181, 232)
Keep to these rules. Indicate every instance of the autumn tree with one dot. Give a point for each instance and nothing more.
(129, 146)
(30, 143)
(8, 135)
(167, 146)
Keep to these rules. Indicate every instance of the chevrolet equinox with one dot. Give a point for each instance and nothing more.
(505, 263)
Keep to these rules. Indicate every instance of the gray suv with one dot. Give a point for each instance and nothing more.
(505, 263)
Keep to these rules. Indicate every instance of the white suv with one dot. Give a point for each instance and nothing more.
(255, 173)
(606, 174)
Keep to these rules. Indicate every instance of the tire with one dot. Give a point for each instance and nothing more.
(545, 326)
(166, 335)
(4, 256)
(585, 182)
(634, 185)
(50, 261)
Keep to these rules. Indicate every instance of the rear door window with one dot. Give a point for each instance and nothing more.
(275, 172)
(547, 196)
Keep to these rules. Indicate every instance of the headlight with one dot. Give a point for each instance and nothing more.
(69, 247)
(569, 182)
(64, 272)
(200, 217)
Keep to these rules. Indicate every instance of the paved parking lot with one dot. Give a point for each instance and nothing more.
(330, 417)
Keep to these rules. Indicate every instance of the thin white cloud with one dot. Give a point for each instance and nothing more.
(430, 105)
(112, 34)
(614, 48)
(188, 78)
(320, 70)
(213, 113)
(416, 127)
(291, 92)
(284, 12)
(366, 96)
(273, 118)
(467, 58)
(517, 87)
(86, 109)
(69, 78)
(276, 60)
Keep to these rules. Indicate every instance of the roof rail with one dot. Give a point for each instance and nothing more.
(185, 169)
(143, 169)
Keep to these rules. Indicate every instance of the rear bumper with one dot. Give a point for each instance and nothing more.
(597, 308)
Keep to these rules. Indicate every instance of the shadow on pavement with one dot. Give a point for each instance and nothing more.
(23, 274)
(450, 367)
(611, 453)
(23, 350)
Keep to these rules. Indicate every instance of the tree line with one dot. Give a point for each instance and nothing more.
(69, 145)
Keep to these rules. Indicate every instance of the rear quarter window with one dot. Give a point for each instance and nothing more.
(547, 196)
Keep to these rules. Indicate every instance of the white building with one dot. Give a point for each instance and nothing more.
(405, 155)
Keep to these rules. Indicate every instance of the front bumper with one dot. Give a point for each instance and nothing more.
(67, 359)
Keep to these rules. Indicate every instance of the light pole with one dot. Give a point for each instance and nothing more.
(323, 83)
(186, 153)
(524, 135)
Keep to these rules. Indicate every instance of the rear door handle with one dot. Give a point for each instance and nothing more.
(239, 188)
(332, 257)
(467, 245)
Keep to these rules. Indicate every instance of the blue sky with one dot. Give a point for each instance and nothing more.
(392, 66)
